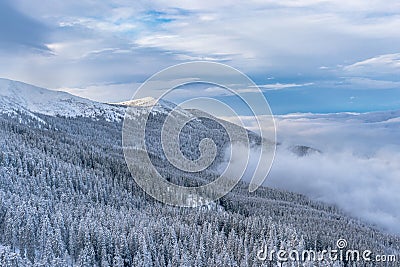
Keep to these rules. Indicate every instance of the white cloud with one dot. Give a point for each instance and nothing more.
(109, 93)
(366, 187)
(383, 64)
(277, 86)
(367, 83)
(358, 169)
(270, 87)
(266, 37)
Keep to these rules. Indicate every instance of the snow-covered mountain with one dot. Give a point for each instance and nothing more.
(68, 187)
(148, 102)
(67, 198)
(141, 106)
(21, 98)
(17, 97)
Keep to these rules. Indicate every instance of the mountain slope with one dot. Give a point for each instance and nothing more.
(17, 97)
(67, 197)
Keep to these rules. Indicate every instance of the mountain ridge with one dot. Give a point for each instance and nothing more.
(68, 187)
(27, 98)
(18, 97)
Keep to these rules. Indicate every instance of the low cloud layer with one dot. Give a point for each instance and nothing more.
(358, 169)
(367, 187)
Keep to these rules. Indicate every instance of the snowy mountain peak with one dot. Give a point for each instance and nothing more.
(155, 106)
(142, 102)
(147, 102)
(17, 97)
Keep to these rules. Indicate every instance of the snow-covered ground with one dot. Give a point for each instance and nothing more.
(28, 99)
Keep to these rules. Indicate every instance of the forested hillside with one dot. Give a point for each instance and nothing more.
(68, 199)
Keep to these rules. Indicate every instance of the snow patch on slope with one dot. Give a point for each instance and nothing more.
(143, 105)
(17, 97)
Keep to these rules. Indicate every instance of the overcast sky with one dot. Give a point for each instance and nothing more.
(307, 55)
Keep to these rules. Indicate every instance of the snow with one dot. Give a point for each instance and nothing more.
(143, 105)
(143, 102)
(20, 97)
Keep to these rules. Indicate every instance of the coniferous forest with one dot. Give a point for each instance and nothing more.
(67, 198)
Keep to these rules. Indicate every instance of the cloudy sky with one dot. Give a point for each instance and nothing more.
(308, 56)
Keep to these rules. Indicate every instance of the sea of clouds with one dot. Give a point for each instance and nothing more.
(358, 168)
